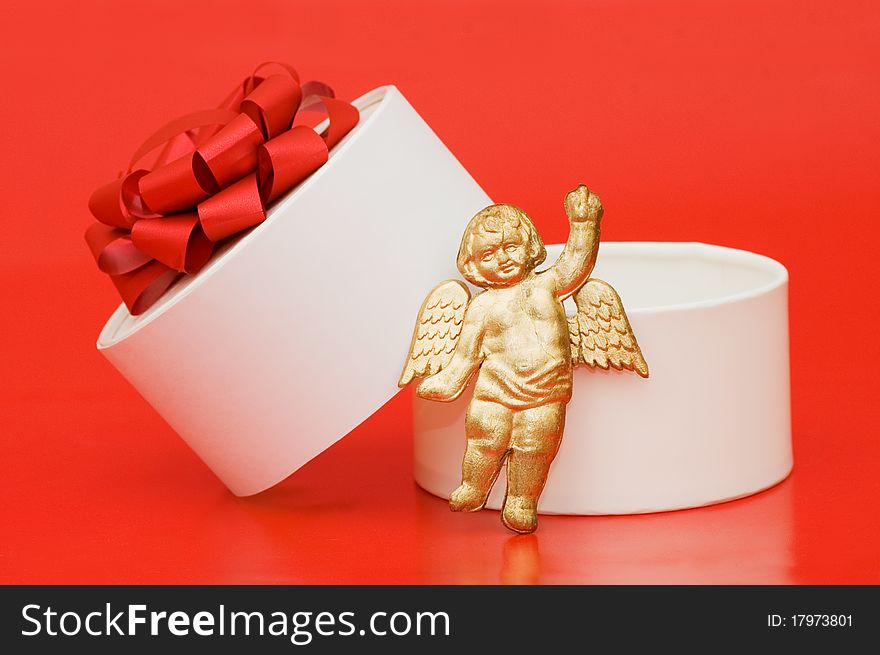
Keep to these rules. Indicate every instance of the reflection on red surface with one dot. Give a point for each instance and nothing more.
(373, 525)
(521, 560)
(747, 541)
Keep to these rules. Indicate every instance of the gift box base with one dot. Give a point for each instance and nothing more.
(711, 423)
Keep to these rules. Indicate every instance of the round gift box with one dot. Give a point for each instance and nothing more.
(293, 335)
(711, 423)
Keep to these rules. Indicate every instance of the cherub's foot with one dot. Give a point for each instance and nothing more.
(467, 499)
(520, 514)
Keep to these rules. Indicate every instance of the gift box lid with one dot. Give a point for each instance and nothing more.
(295, 334)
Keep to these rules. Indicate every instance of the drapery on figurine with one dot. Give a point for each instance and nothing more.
(516, 336)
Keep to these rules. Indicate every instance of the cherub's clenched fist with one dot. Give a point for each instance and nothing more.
(583, 205)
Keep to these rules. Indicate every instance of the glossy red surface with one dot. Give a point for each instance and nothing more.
(749, 124)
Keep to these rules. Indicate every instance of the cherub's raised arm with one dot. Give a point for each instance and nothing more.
(574, 265)
(448, 384)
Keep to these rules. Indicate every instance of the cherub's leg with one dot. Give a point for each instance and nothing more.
(488, 426)
(537, 433)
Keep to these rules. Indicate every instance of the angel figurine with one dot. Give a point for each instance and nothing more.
(516, 337)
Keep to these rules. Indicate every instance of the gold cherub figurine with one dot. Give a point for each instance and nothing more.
(516, 335)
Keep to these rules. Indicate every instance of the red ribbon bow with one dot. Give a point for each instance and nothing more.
(207, 176)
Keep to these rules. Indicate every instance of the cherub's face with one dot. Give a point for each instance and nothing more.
(501, 258)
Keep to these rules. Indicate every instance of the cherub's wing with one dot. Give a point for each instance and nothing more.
(600, 331)
(437, 330)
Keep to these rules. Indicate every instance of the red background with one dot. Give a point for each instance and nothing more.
(748, 124)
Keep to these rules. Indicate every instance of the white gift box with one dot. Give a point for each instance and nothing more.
(295, 334)
(711, 423)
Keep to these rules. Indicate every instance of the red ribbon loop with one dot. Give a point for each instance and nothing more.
(173, 187)
(273, 104)
(176, 241)
(142, 287)
(230, 154)
(289, 159)
(119, 203)
(208, 176)
(113, 250)
(343, 117)
(234, 209)
(121, 256)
